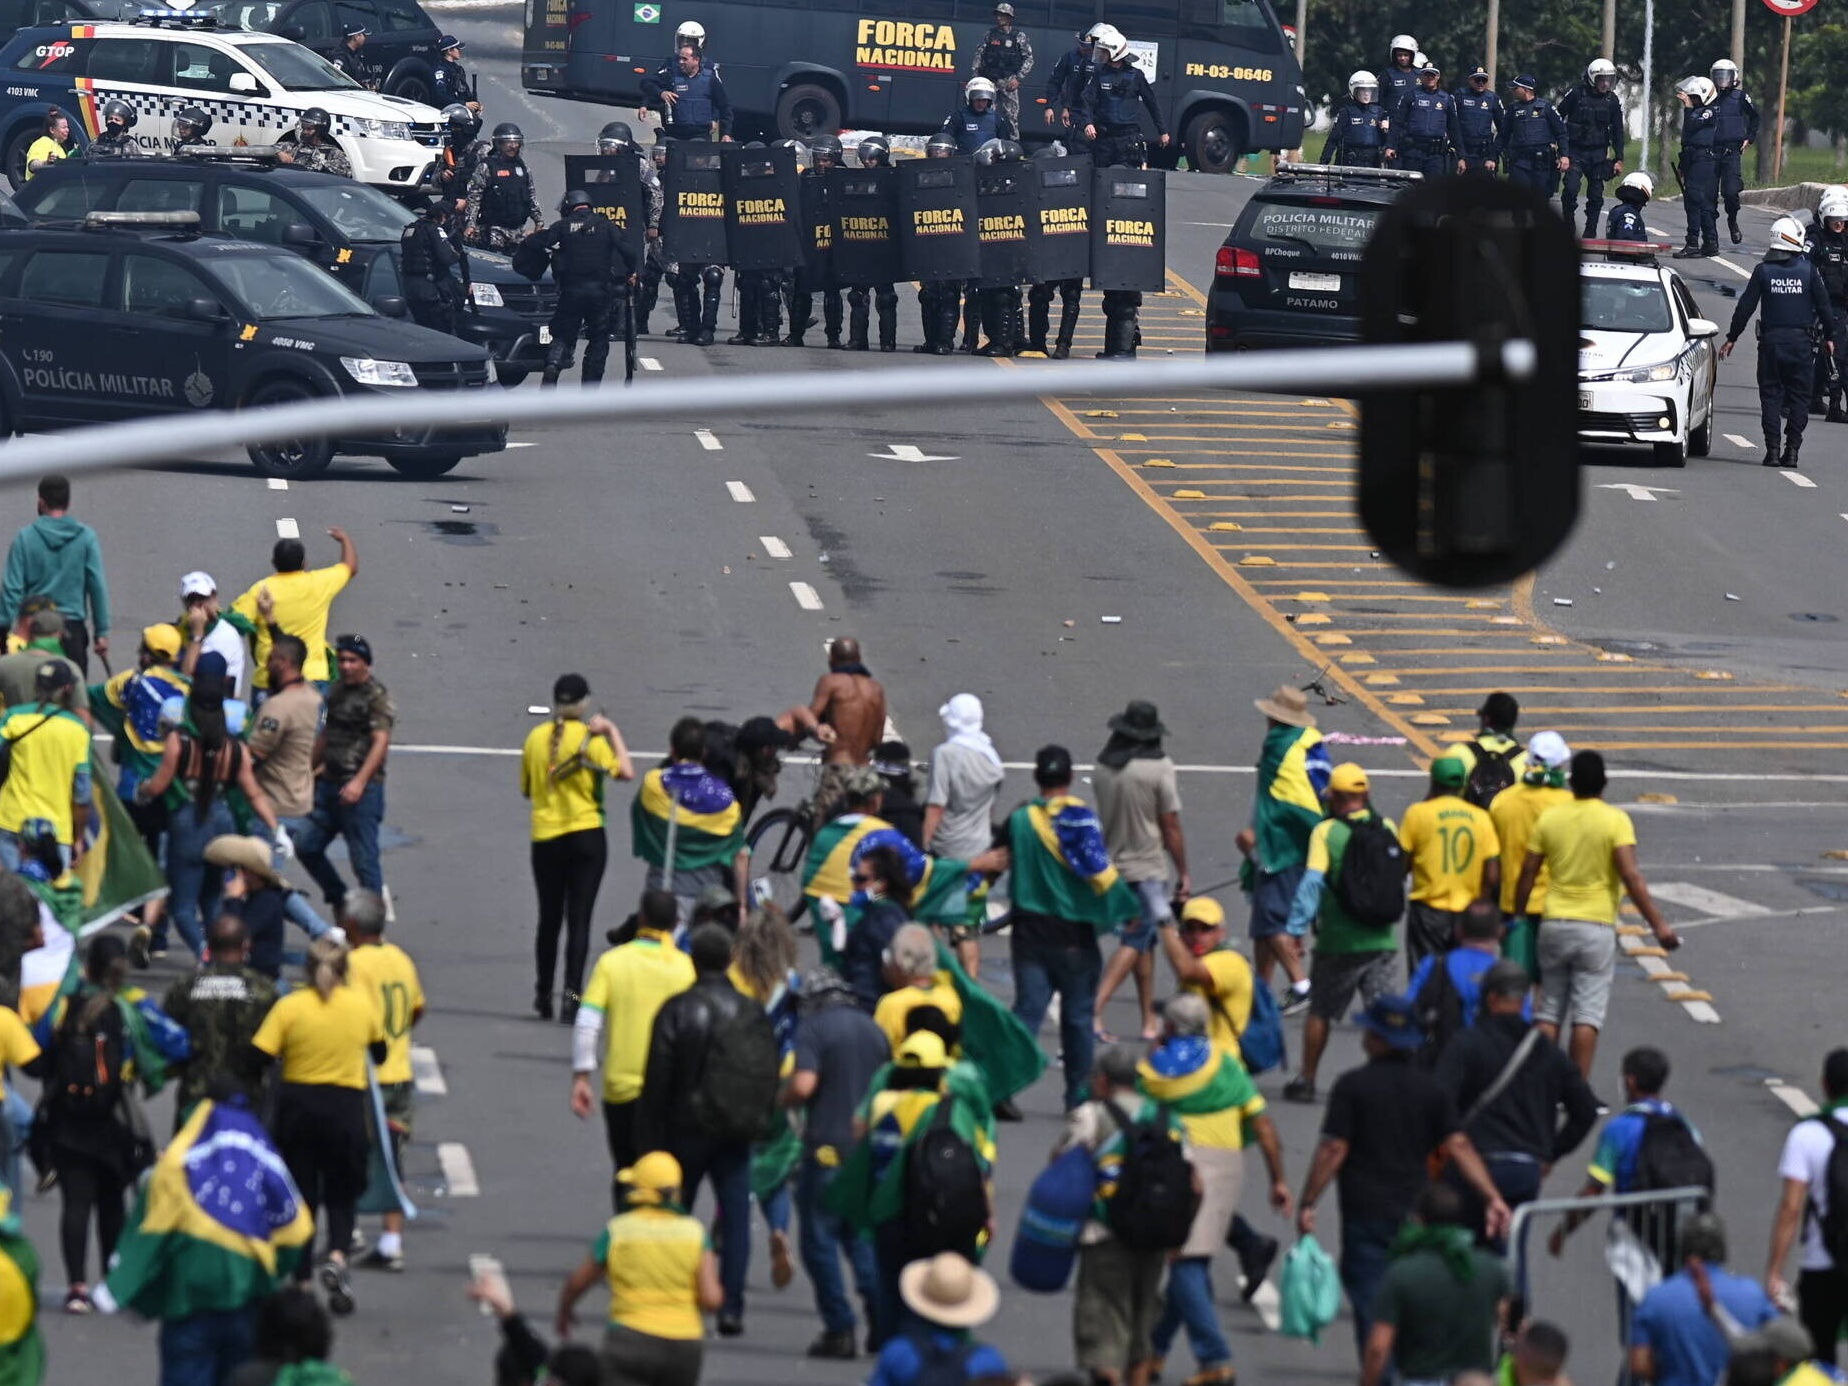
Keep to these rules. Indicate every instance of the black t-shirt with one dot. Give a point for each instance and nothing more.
(1392, 1115)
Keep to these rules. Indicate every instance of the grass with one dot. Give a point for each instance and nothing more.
(1801, 165)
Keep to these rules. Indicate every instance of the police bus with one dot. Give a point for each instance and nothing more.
(1223, 70)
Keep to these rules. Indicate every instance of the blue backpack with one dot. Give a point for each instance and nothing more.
(1263, 1043)
(1058, 1203)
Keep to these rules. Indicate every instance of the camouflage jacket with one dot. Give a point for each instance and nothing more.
(220, 1007)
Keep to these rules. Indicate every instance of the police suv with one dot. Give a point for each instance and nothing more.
(134, 314)
(253, 86)
(353, 231)
(1647, 358)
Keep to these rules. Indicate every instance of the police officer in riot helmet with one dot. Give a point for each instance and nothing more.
(1401, 75)
(615, 140)
(1357, 135)
(825, 154)
(1736, 122)
(1425, 136)
(591, 266)
(1005, 58)
(977, 122)
(1699, 165)
(1039, 297)
(1595, 138)
(501, 197)
(1626, 219)
(352, 59)
(449, 80)
(1533, 139)
(310, 145)
(460, 153)
(874, 152)
(656, 268)
(1479, 122)
(115, 142)
(1109, 104)
(690, 97)
(698, 289)
(434, 270)
(1828, 251)
(1787, 286)
(939, 300)
(1000, 306)
(1070, 75)
(191, 126)
(759, 298)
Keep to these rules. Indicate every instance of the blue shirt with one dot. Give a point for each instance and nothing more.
(900, 1361)
(1688, 1346)
(1614, 1166)
(1466, 968)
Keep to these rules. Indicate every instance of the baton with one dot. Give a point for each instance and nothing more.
(628, 335)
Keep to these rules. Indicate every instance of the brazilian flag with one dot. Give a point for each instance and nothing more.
(22, 1350)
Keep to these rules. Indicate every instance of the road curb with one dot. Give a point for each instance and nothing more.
(1796, 197)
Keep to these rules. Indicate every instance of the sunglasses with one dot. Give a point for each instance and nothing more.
(860, 880)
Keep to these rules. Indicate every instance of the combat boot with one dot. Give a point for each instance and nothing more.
(1793, 444)
(857, 320)
(1068, 324)
(1039, 318)
(1119, 340)
(1836, 414)
(887, 309)
(1732, 226)
(1770, 457)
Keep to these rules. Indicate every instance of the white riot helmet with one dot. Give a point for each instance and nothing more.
(692, 32)
(1403, 43)
(1698, 90)
(1834, 205)
(1102, 32)
(1725, 74)
(1641, 181)
(1363, 81)
(979, 88)
(1601, 70)
(1787, 235)
(1115, 46)
(1425, 65)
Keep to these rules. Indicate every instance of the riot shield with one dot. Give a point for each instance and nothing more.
(1064, 216)
(865, 207)
(937, 224)
(818, 228)
(1007, 199)
(693, 213)
(763, 222)
(614, 182)
(1129, 229)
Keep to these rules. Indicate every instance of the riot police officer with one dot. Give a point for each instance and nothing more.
(1626, 219)
(1533, 139)
(977, 122)
(757, 292)
(873, 152)
(691, 98)
(1401, 71)
(1358, 133)
(1795, 302)
(1736, 122)
(1479, 122)
(434, 270)
(825, 155)
(1069, 77)
(191, 126)
(999, 305)
(591, 266)
(1595, 138)
(460, 153)
(501, 196)
(310, 146)
(1039, 297)
(449, 80)
(939, 300)
(1700, 167)
(352, 59)
(1424, 136)
(1828, 251)
(1109, 105)
(615, 140)
(1005, 58)
(656, 267)
(115, 142)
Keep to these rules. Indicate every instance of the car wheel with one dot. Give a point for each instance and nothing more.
(427, 467)
(1213, 143)
(1700, 440)
(413, 89)
(1672, 454)
(16, 157)
(510, 375)
(807, 110)
(295, 458)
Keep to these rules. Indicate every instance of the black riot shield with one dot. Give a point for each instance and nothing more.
(1007, 198)
(693, 214)
(865, 208)
(937, 221)
(818, 228)
(1129, 229)
(1064, 217)
(614, 182)
(763, 219)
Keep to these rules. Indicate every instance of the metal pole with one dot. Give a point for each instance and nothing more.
(1302, 60)
(1738, 36)
(1783, 94)
(1494, 45)
(1648, 79)
(1608, 37)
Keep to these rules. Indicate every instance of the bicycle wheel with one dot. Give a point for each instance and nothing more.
(779, 843)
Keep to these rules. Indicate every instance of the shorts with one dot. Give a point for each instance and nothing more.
(1335, 977)
(1119, 1303)
(831, 792)
(1272, 894)
(1578, 960)
(400, 1105)
(1518, 944)
(1142, 932)
(1429, 930)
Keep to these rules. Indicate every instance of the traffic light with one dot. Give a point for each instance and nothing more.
(1474, 485)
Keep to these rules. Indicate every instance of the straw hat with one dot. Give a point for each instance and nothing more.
(1288, 706)
(250, 854)
(947, 1290)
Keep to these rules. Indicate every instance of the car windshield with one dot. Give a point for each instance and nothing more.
(358, 212)
(1624, 305)
(294, 68)
(1321, 228)
(256, 15)
(267, 287)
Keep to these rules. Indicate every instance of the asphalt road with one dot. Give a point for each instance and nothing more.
(644, 559)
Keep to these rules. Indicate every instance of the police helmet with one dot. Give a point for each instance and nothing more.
(1601, 74)
(691, 32)
(197, 125)
(460, 119)
(314, 118)
(1115, 46)
(575, 200)
(615, 138)
(1103, 31)
(999, 152)
(1403, 43)
(1005, 8)
(979, 89)
(1725, 74)
(755, 144)
(449, 43)
(1363, 81)
(1423, 65)
(1641, 181)
(1834, 206)
(1787, 235)
(119, 110)
(874, 153)
(940, 147)
(505, 134)
(825, 147)
(1052, 149)
(1698, 90)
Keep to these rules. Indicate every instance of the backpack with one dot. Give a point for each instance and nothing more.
(946, 1191)
(532, 257)
(1370, 886)
(1155, 1200)
(85, 1084)
(1492, 773)
(1439, 1009)
(1263, 1044)
(1669, 1155)
(939, 1365)
(1833, 1224)
(735, 1098)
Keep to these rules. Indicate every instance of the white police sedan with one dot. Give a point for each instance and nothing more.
(1647, 357)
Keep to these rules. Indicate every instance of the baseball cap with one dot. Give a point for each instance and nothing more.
(1449, 772)
(657, 1172)
(923, 1050)
(568, 688)
(1052, 765)
(1549, 749)
(1526, 79)
(164, 640)
(1348, 778)
(359, 645)
(1203, 909)
(1479, 71)
(197, 584)
(55, 673)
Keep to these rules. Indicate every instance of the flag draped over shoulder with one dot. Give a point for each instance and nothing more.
(709, 826)
(994, 1039)
(218, 1225)
(1061, 868)
(940, 886)
(1293, 771)
(22, 1350)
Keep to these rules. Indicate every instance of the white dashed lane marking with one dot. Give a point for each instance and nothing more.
(1722, 260)
(707, 441)
(648, 363)
(427, 1072)
(1739, 442)
(1704, 901)
(458, 1170)
(806, 596)
(276, 483)
(288, 529)
(773, 546)
(1794, 1098)
(740, 492)
(1798, 479)
(488, 1269)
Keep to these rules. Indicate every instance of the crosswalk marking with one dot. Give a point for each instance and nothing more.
(458, 1170)
(427, 1072)
(1705, 901)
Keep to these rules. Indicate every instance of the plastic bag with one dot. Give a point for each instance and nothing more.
(1051, 1219)
(1310, 1289)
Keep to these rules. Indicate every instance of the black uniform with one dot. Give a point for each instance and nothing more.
(449, 83)
(455, 165)
(814, 192)
(1594, 143)
(1700, 178)
(1828, 251)
(1425, 136)
(435, 273)
(1736, 119)
(1397, 83)
(699, 100)
(1532, 135)
(1358, 135)
(1110, 105)
(360, 68)
(1480, 118)
(592, 266)
(1794, 301)
(1626, 219)
(1070, 76)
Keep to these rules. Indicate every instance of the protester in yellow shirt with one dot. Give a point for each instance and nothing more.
(911, 971)
(17, 1050)
(54, 144)
(50, 779)
(1515, 812)
(297, 602)
(1454, 858)
(1196, 950)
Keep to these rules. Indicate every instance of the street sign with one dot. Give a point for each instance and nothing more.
(1788, 8)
